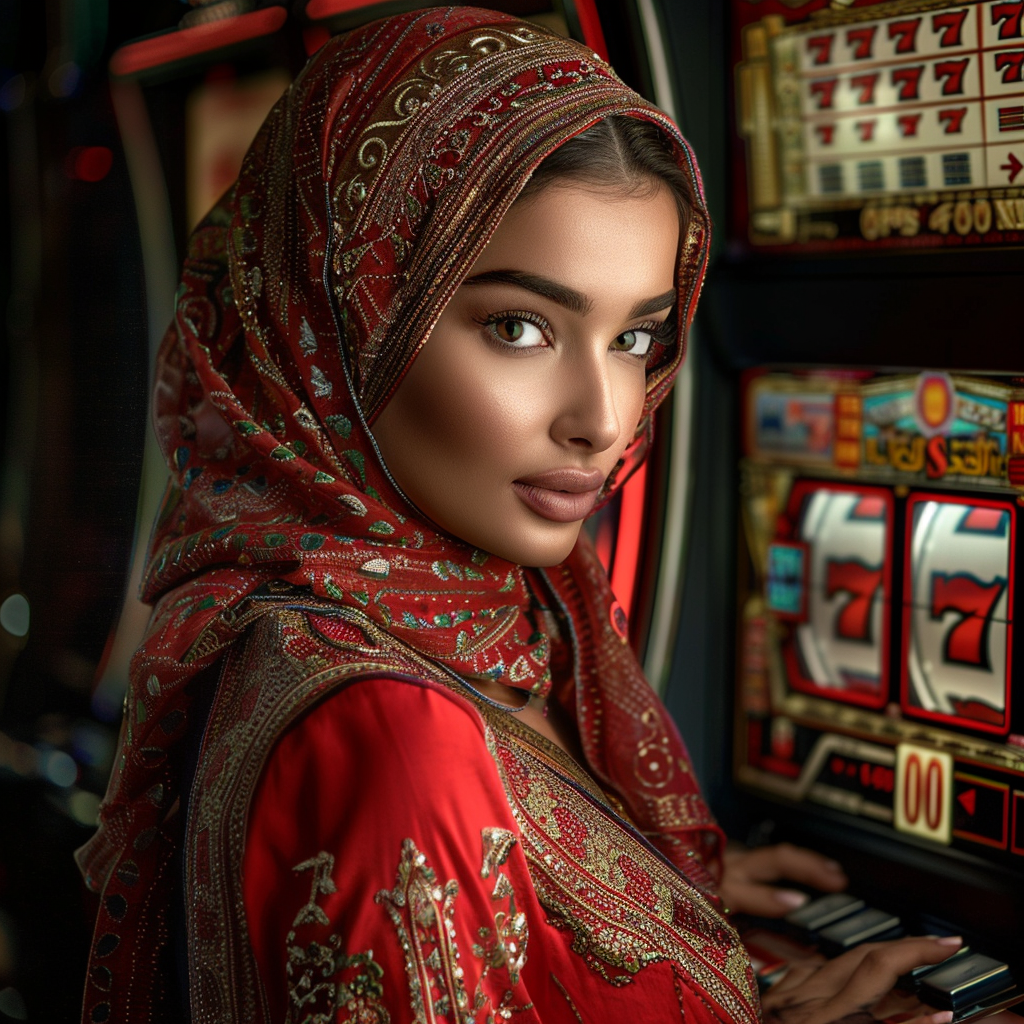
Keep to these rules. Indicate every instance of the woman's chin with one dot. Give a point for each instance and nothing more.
(543, 552)
(537, 549)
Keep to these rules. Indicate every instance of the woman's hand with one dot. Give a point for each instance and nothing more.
(824, 992)
(748, 880)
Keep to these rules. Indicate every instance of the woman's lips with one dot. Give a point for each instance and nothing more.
(561, 495)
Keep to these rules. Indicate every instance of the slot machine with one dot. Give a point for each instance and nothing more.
(862, 380)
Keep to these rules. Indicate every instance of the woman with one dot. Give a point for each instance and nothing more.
(373, 768)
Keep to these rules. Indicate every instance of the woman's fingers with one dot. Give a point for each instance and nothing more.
(794, 863)
(760, 899)
(854, 982)
(749, 874)
(794, 978)
(898, 1007)
(939, 1017)
(870, 972)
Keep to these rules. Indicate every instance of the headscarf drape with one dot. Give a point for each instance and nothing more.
(306, 294)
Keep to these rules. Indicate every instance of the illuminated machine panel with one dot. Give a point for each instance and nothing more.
(875, 670)
(887, 123)
(957, 620)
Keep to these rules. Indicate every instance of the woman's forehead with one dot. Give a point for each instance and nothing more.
(587, 249)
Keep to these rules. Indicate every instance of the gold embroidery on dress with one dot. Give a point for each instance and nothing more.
(316, 992)
(624, 906)
(423, 914)
(572, 1006)
(504, 946)
(541, 784)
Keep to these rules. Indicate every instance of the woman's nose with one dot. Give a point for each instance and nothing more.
(587, 403)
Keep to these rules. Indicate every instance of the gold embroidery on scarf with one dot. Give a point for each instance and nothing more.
(318, 992)
(423, 914)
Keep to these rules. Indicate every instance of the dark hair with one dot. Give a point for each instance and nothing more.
(621, 152)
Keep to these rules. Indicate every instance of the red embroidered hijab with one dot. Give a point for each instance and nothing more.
(306, 293)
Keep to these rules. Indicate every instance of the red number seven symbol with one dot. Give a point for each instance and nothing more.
(866, 84)
(821, 47)
(967, 640)
(909, 82)
(862, 41)
(951, 24)
(908, 124)
(861, 582)
(826, 133)
(953, 73)
(823, 92)
(905, 34)
(866, 130)
(953, 119)
(1011, 63)
(1008, 17)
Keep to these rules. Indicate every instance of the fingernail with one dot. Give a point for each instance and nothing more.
(791, 898)
(944, 1017)
(951, 940)
(833, 865)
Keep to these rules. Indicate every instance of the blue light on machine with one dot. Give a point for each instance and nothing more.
(784, 590)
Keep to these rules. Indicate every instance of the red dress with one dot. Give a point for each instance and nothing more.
(473, 872)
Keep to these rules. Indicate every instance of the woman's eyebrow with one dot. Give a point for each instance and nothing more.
(655, 305)
(574, 301)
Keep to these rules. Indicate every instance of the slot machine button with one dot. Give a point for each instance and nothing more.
(824, 911)
(965, 982)
(868, 925)
(917, 973)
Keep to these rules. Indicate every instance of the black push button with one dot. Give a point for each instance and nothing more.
(917, 973)
(965, 982)
(866, 926)
(824, 911)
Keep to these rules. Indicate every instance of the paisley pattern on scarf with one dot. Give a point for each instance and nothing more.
(306, 293)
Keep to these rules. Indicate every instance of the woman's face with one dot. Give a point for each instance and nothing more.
(532, 383)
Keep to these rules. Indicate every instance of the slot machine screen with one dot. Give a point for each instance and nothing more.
(876, 680)
(880, 124)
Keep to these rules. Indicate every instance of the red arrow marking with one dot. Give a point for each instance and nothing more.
(968, 800)
(1013, 165)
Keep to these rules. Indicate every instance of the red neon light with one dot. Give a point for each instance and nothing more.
(89, 163)
(179, 44)
(317, 9)
(593, 36)
(627, 544)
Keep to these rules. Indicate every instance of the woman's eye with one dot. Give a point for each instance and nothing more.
(517, 333)
(636, 342)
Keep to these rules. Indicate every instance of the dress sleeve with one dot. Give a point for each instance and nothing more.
(382, 877)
